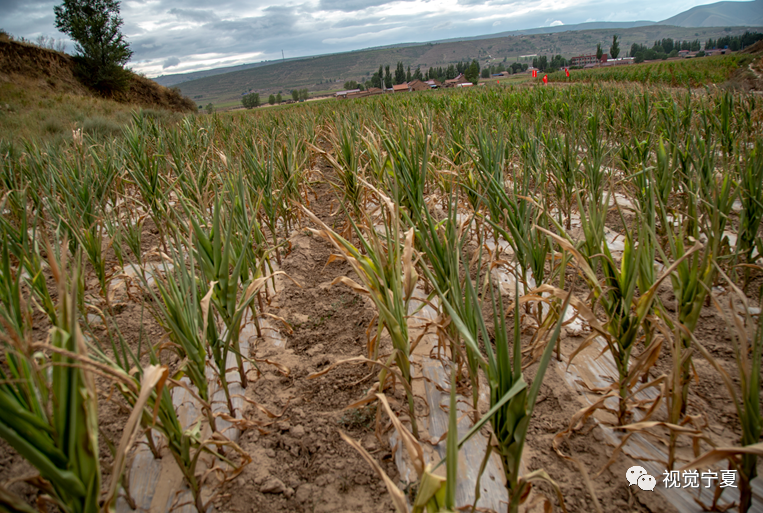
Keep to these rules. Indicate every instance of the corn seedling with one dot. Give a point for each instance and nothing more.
(512, 403)
(751, 197)
(49, 415)
(748, 352)
(216, 256)
(184, 314)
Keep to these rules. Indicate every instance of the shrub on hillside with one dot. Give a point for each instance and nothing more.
(251, 100)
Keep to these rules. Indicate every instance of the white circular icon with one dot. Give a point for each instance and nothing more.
(636, 475)
(647, 482)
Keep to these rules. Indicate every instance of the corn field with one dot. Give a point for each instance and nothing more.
(695, 72)
(559, 268)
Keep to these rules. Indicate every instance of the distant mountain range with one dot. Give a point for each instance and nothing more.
(719, 14)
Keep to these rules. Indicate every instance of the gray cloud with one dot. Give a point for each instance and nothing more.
(184, 35)
(197, 15)
(349, 5)
(172, 61)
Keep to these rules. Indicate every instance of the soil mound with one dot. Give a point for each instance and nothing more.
(50, 69)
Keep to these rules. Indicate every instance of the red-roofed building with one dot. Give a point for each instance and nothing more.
(582, 60)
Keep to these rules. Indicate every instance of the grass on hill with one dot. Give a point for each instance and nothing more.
(41, 99)
(31, 112)
(675, 73)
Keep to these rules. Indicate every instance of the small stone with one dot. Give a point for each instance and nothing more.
(304, 493)
(297, 431)
(273, 485)
(318, 348)
(284, 426)
(270, 453)
(300, 318)
(370, 444)
(288, 493)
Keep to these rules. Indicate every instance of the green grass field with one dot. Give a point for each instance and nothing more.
(675, 73)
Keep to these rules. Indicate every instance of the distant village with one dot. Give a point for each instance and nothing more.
(468, 74)
(433, 79)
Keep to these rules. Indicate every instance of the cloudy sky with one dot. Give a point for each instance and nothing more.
(174, 36)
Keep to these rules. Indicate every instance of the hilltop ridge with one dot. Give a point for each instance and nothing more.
(41, 97)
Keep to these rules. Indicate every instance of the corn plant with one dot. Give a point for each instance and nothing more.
(144, 168)
(346, 162)
(748, 352)
(751, 197)
(179, 308)
(517, 225)
(25, 248)
(616, 295)
(442, 245)
(50, 418)
(565, 167)
(511, 402)
(695, 270)
(154, 410)
(216, 254)
(408, 153)
(594, 175)
(434, 493)
(261, 168)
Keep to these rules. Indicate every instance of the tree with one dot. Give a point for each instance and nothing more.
(101, 48)
(408, 75)
(209, 108)
(251, 100)
(278, 98)
(417, 74)
(387, 77)
(304, 94)
(272, 99)
(399, 73)
(376, 79)
(599, 53)
(472, 73)
(295, 95)
(614, 50)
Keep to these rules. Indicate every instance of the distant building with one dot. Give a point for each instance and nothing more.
(400, 88)
(418, 85)
(434, 84)
(460, 79)
(502, 74)
(344, 94)
(357, 93)
(583, 60)
(618, 62)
